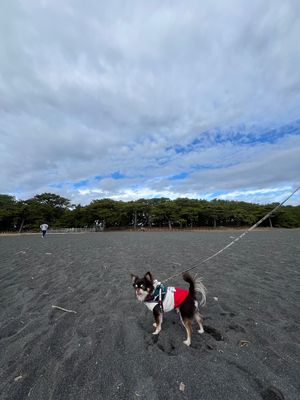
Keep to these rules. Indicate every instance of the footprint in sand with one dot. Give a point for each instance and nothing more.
(271, 393)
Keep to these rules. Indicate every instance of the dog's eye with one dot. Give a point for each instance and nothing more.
(143, 287)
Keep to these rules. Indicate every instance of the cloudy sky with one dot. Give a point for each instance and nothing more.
(131, 99)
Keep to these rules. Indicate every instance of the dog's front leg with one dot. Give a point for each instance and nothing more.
(158, 317)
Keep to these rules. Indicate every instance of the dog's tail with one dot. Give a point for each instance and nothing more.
(196, 285)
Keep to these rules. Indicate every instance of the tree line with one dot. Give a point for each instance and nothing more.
(58, 212)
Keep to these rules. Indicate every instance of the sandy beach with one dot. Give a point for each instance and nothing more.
(105, 349)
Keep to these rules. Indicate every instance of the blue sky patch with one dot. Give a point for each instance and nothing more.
(178, 177)
(81, 184)
(240, 135)
(117, 175)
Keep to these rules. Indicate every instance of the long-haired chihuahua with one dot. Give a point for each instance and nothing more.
(160, 298)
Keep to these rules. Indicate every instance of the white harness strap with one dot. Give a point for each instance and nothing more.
(168, 303)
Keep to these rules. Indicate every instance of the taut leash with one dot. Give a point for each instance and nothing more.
(235, 240)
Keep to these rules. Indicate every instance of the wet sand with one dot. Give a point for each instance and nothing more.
(250, 348)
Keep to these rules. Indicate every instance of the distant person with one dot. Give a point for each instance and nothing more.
(44, 228)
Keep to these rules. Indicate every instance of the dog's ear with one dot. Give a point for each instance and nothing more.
(133, 278)
(148, 276)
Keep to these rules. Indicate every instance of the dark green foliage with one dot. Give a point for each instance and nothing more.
(58, 212)
(9, 213)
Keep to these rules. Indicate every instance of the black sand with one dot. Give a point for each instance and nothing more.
(250, 350)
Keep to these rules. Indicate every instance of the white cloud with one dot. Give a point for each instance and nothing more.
(90, 89)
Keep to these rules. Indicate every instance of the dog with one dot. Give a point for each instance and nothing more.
(160, 298)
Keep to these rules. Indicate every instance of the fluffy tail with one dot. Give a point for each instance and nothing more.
(196, 285)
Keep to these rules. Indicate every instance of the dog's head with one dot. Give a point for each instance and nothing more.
(143, 286)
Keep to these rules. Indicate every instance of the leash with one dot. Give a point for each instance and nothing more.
(160, 303)
(158, 295)
(235, 240)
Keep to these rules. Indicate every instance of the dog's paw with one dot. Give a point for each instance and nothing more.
(156, 332)
(187, 342)
(201, 331)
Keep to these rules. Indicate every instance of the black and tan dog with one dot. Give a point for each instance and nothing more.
(160, 298)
